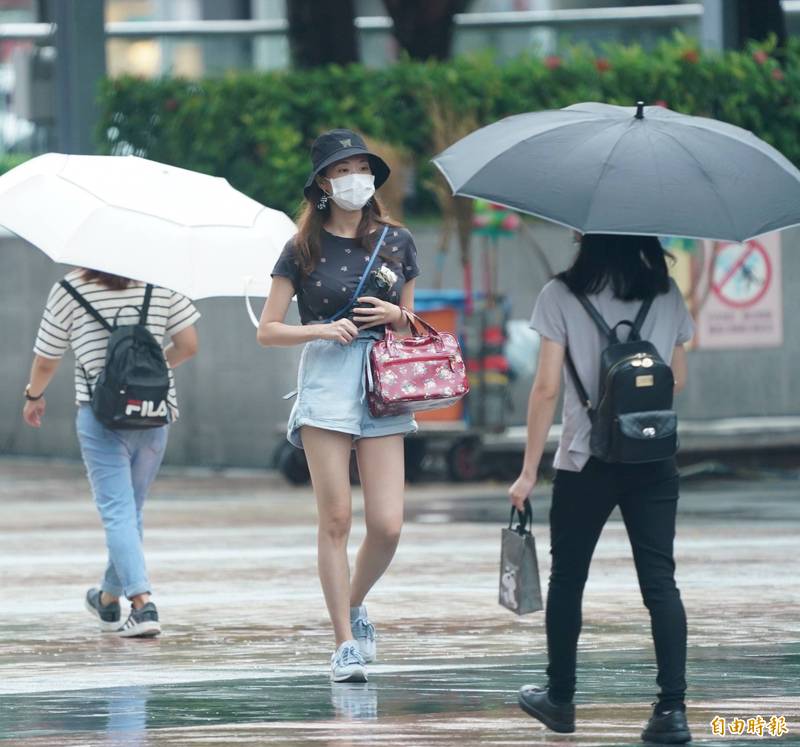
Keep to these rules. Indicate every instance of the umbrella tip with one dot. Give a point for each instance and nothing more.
(640, 110)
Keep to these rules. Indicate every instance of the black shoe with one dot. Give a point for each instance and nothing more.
(536, 702)
(669, 727)
(141, 623)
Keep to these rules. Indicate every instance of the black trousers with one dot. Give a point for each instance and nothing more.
(647, 495)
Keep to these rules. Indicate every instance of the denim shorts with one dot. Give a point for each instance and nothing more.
(331, 392)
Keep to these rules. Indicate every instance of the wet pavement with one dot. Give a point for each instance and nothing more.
(245, 646)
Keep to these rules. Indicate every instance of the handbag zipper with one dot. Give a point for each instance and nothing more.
(409, 362)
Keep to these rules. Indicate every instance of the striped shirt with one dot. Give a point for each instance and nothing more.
(66, 324)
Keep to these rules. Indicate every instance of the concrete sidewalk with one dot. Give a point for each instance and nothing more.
(246, 642)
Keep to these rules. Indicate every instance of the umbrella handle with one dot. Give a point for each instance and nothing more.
(247, 303)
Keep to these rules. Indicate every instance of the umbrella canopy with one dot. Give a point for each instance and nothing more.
(645, 170)
(160, 224)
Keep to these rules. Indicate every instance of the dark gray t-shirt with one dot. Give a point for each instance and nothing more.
(332, 283)
(559, 316)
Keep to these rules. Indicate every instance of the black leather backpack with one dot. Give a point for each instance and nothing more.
(633, 420)
(132, 390)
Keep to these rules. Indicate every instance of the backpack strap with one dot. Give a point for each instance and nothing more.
(644, 309)
(611, 334)
(597, 318)
(582, 393)
(86, 305)
(148, 293)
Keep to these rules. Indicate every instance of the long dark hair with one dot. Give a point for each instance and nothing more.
(310, 220)
(112, 282)
(634, 266)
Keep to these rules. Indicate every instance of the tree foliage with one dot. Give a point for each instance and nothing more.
(255, 129)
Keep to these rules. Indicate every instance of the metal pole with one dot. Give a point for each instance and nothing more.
(718, 28)
(80, 65)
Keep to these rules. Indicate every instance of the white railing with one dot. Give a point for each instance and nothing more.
(668, 14)
(26, 31)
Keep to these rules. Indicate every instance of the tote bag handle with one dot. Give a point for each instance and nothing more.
(525, 518)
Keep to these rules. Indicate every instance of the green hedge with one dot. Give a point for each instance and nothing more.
(9, 161)
(255, 129)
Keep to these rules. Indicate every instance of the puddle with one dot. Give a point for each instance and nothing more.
(609, 681)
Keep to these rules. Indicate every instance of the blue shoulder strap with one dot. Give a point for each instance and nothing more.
(352, 302)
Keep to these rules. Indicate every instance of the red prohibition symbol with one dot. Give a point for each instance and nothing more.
(741, 274)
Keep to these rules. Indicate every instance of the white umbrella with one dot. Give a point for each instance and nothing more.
(145, 220)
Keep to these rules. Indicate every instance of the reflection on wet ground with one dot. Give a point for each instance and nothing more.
(243, 657)
(481, 690)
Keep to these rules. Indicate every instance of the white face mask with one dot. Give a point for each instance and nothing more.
(353, 191)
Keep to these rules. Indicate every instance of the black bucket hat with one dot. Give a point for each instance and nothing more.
(337, 145)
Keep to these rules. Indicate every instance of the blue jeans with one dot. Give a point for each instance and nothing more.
(121, 466)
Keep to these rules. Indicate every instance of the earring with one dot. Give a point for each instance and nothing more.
(323, 202)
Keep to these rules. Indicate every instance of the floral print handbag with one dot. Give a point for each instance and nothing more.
(425, 371)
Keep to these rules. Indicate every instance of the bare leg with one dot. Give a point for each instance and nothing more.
(328, 455)
(382, 469)
(140, 600)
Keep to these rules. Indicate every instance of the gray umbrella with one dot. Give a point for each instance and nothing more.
(646, 170)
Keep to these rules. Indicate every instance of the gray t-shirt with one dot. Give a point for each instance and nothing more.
(559, 316)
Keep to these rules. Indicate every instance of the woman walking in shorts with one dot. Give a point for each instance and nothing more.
(340, 225)
(617, 274)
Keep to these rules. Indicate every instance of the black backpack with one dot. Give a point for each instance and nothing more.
(132, 390)
(633, 420)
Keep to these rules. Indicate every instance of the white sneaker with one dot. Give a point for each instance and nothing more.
(364, 634)
(347, 664)
(141, 623)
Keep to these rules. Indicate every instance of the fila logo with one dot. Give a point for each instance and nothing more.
(146, 408)
(347, 143)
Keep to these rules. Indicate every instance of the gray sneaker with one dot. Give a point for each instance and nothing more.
(363, 633)
(141, 623)
(109, 616)
(347, 664)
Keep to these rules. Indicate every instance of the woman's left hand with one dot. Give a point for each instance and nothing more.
(33, 412)
(378, 313)
(521, 490)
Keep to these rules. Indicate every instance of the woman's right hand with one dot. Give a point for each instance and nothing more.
(521, 490)
(342, 330)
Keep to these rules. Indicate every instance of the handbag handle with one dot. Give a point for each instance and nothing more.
(413, 320)
(525, 518)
